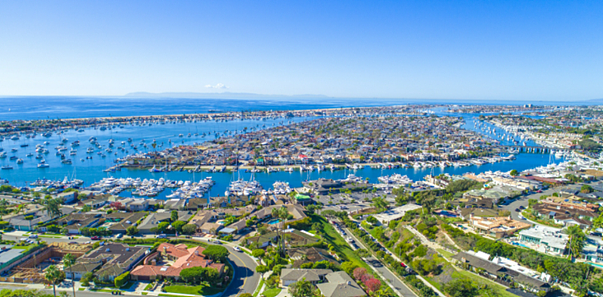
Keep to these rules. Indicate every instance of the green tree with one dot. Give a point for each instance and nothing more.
(461, 288)
(86, 208)
(161, 227)
(258, 253)
(178, 225)
(303, 288)
(348, 267)
(586, 189)
(53, 206)
(54, 276)
(68, 262)
(514, 172)
(189, 228)
(261, 269)
(577, 240)
(380, 203)
(86, 279)
(216, 253)
(132, 230)
(174, 215)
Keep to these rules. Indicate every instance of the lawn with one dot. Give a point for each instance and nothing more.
(257, 290)
(498, 289)
(271, 292)
(445, 253)
(332, 237)
(193, 290)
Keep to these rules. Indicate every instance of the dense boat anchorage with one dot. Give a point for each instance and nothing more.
(152, 187)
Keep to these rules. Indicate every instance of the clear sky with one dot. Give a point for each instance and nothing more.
(494, 50)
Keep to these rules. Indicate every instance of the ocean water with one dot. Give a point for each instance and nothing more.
(90, 170)
(53, 107)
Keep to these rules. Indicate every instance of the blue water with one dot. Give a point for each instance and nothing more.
(272, 222)
(90, 170)
(49, 107)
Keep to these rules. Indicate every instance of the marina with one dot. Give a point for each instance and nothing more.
(98, 152)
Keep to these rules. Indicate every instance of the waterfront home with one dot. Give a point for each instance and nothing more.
(314, 276)
(67, 197)
(545, 239)
(155, 266)
(395, 213)
(98, 202)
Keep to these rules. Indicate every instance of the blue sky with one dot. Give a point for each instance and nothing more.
(492, 50)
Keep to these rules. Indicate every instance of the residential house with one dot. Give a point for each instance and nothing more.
(340, 284)
(154, 266)
(545, 239)
(314, 276)
(75, 221)
(498, 227)
(500, 273)
(112, 259)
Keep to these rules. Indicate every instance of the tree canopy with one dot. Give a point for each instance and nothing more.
(217, 253)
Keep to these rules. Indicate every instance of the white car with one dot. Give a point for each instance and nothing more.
(236, 248)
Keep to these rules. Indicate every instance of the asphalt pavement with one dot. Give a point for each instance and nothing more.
(523, 201)
(389, 276)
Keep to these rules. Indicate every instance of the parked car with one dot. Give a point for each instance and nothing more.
(119, 235)
(33, 236)
(236, 248)
(161, 236)
(95, 238)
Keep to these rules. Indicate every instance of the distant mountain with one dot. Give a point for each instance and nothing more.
(224, 95)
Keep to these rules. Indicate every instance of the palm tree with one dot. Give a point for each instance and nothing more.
(68, 262)
(576, 240)
(53, 275)
(280, 213)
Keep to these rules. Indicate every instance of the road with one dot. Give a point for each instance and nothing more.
(391, 278)
(245, 280)
(523, 201)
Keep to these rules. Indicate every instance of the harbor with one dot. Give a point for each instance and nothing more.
(97, 156)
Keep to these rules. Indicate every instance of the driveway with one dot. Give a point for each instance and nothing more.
(523, 201)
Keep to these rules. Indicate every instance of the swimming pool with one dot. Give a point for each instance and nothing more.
(521, 245)
(275, 221)
(596, 265)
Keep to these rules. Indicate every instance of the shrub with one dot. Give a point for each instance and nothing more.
(122, 279)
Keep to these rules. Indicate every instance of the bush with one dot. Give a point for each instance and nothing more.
(122, 279)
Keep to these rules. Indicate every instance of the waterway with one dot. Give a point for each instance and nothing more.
(91, 170)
